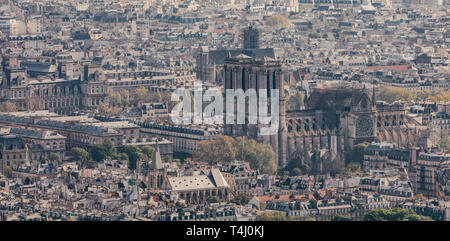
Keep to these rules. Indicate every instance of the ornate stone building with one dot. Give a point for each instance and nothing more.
(338, 117)
(197, 188)
(59, 95)
(245, 72)
(157, 174)
(335, 119)
(395, 126)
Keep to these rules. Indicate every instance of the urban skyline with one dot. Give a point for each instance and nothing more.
(224, 110)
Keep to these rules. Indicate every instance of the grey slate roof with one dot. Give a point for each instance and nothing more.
(218, 56)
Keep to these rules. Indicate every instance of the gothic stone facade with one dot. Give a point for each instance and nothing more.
(245, 72)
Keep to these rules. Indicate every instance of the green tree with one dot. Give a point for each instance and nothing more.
(395, 214)
(109, 148)
(357, 154)
(296, 163)
(54, 157)
(260, 156)
(213, 199)
(123, 156)
(272, 216)
(99, 153)
(220, 150)
(147, 151)
(80, 154)
(295, 101)
(134, 154)
(225, 149)
(242, 198)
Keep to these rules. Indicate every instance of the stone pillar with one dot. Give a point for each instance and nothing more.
(253, 79)
(282, 133)
(235, 78)
(227, 78)
(262, 83)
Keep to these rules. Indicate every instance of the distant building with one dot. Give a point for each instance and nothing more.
(427, 170)
(8, 25)
(197, 188)
(157, 174)
(210, 63)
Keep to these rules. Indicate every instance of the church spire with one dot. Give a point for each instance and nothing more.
(156, 159)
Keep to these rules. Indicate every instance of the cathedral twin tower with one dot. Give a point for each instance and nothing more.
(259, 73)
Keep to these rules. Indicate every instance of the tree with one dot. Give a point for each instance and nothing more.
(123, 157)
(213, 199)
(147, 151)
(225, 149)
(8, 171)
(296, 164)
(391, 94)
(357, 154)
(80, 155)
(295, 101)
(140, 95)
(260, 156)
(272, 216)
(115, 99)
(134, 154)
(220, 150)
(104, 109)
(125, 97)
(395, 214)
(99, 153)
(8, 106)
(54, 157)
(242, 198)
(109, 148)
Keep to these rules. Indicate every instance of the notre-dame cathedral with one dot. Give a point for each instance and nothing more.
(335, 118)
